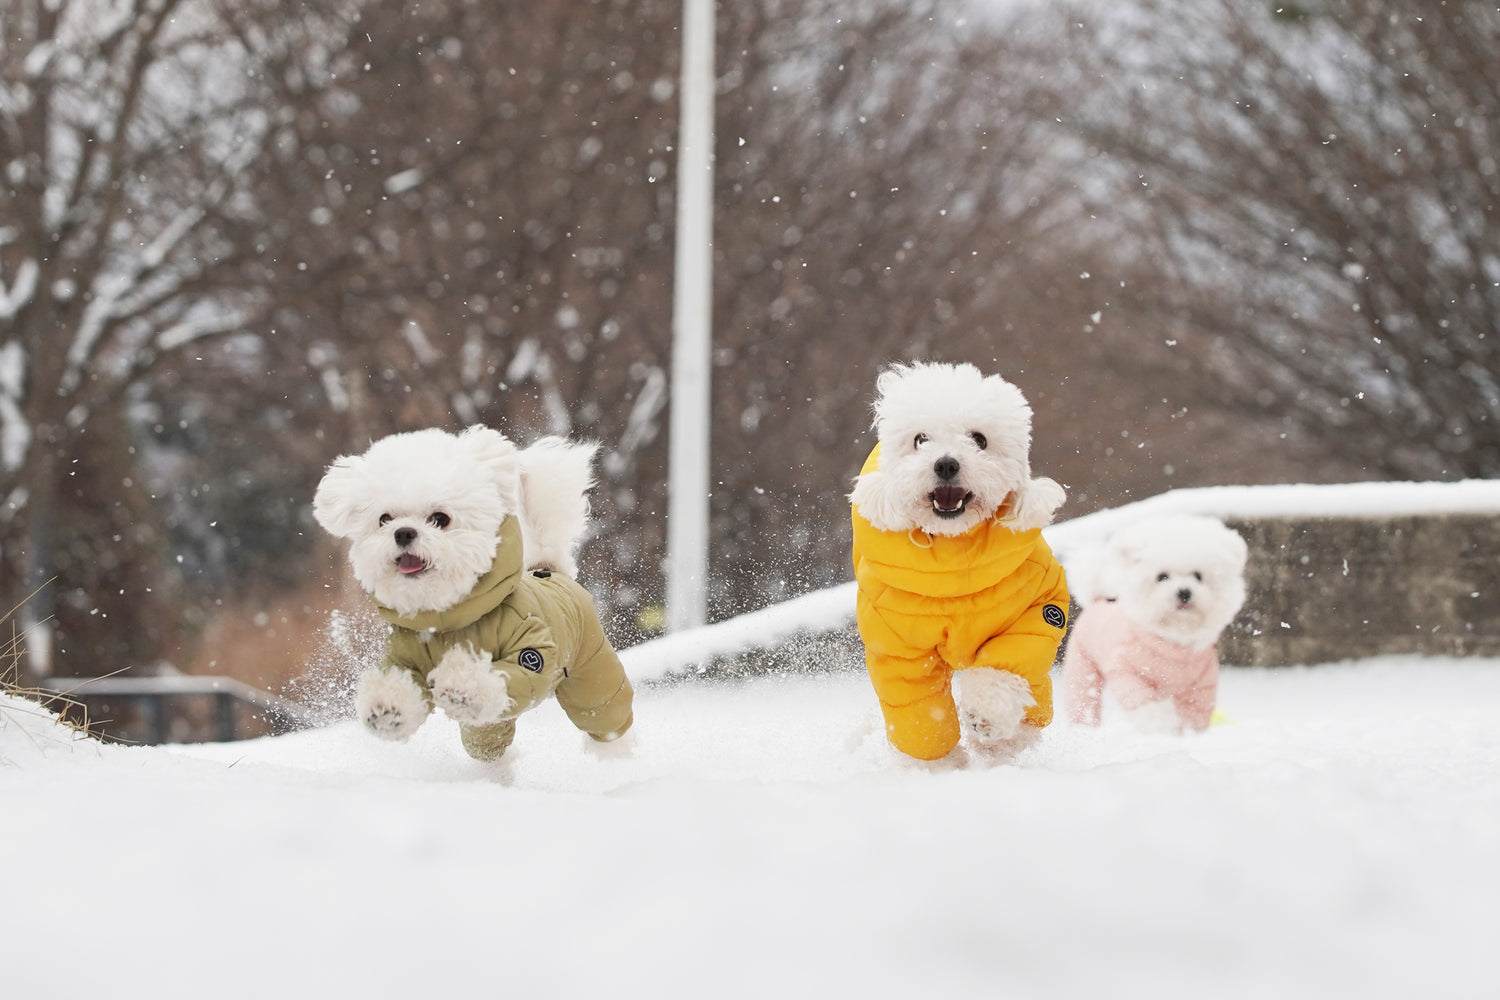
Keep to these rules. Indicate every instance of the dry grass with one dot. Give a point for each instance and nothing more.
(25, 703)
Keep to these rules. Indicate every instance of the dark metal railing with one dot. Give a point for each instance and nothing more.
(155, 697)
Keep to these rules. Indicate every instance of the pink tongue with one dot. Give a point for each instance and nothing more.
(408, 563)
(949, 497)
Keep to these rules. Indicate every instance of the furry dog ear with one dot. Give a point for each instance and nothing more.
(338, 503)
(496, 455)
(872, 498)
(1034, 504)
(884, 383)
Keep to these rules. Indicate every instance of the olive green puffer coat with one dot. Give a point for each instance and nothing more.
(543, 634)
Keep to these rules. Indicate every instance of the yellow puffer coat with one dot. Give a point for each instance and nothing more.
(932, 604)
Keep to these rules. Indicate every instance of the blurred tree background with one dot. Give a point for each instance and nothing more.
(1212, 240)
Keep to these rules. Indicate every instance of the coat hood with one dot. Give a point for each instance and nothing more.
(940, 565)
(489, 592)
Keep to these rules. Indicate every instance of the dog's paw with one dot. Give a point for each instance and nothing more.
(984, 729)
(389, 722)
(390, 704)
(994, 753)
(992, 703)
(468, 689)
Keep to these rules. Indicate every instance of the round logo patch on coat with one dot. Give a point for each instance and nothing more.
(1054, 615)
(530, 659)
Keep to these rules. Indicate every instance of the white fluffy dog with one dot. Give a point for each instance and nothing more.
(465, 543)
(1163, 591)
(955, 453)
(952, 570)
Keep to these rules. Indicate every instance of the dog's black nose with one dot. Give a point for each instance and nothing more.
(1184, 596)
(946, 467)
(405, 536)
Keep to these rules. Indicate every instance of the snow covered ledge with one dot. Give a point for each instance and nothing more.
(1336, 573)
(1347, 571)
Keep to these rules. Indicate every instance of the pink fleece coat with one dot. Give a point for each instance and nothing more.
(1107, 649)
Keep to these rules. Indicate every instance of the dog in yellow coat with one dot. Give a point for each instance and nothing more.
(956, 585)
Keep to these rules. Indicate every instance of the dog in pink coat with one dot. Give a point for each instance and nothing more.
(1163, 592)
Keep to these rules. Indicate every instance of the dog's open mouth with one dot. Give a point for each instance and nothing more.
(950, 501)
(410, 564)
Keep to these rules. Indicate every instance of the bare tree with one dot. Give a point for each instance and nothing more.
(303, 228)
(1314, 198)
(475, 227)
(126, 134)
(240, 239)
(889, 193)
(476, 206)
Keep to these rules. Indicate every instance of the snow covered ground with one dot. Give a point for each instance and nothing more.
(1339, 836)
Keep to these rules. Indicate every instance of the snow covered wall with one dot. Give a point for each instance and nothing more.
(1336, 573)
(1325, 588)
(1347, 571)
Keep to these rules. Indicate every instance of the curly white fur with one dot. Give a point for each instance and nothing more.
(422, 510)
(556, 476)
(954, 452)
(467, 688)
(389, 703)
(991, 704)
(1180, 577)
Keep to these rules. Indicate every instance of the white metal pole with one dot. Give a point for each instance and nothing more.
(692, 318)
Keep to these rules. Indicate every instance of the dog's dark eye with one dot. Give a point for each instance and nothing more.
(980, 440)
(385, 519)
(1197, 576)
(1161, 578)
(919, 440)
(439, 519)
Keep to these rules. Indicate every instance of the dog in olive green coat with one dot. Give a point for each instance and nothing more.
(465, 545)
